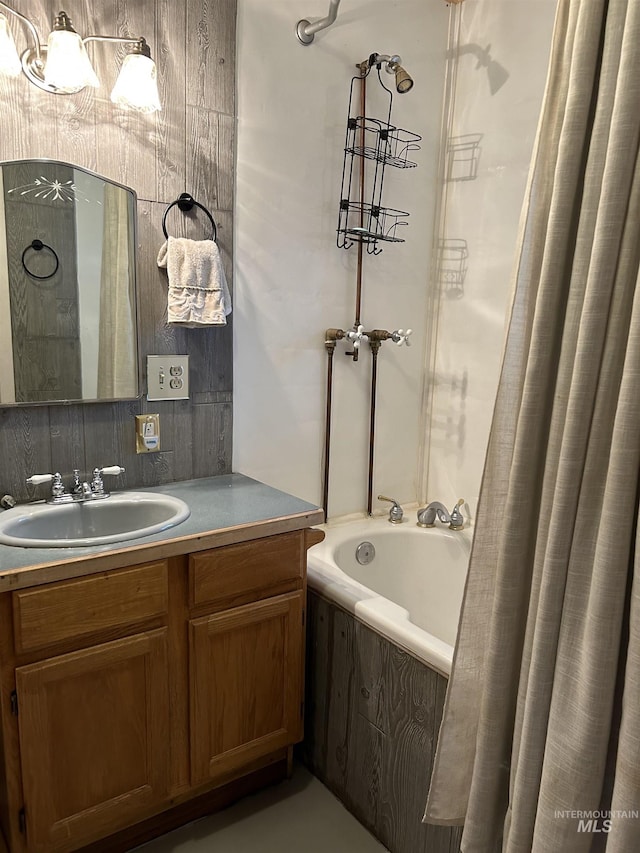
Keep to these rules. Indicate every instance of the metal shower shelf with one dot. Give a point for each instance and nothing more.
(362, 220)
(368, 224)
(377, 140)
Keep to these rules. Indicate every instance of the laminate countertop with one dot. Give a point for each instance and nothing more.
(224, 510)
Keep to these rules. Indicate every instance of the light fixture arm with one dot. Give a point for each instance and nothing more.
(140, 43)
(37, 47)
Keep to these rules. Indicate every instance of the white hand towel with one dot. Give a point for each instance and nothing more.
(198, 291)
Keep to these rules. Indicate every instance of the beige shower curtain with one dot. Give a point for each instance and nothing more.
(539, 748)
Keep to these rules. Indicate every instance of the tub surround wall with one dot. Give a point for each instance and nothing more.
(372, 718)
(482, 201)
(188, 146)
(293, 282)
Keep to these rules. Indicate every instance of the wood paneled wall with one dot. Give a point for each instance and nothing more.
(372, 716)
(189, 146)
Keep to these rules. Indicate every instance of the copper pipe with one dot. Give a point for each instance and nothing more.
(331, 336)
(378, 335)
(375, 347)
(363, 108)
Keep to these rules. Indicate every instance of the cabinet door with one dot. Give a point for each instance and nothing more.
(245, 683)
(93, 739)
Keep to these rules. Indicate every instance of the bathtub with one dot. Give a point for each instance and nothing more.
(410, 592)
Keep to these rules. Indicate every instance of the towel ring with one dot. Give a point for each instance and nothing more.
(38, 246)
(185, 203)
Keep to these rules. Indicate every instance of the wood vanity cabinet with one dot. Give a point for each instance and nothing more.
(130, 692)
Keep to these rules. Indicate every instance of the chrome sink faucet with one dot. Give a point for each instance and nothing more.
(80, 491)
(395, 513)
(427, 516)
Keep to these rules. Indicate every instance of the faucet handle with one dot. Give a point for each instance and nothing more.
(457, 518)
(400, 337)
(38, 479)
(356, 335)
(57, 488)
(396, 512)
(111, 470)
(389, 500)
(97, 485)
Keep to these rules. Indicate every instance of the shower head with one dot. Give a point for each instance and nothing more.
(404, 82)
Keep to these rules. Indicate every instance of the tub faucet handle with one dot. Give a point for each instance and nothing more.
(457, 519)
(395, 513)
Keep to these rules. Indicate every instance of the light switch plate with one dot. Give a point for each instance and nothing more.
(167, 377)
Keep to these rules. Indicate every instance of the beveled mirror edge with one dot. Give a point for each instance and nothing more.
(139, 374)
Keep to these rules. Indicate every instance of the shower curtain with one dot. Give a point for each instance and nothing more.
(539, 748)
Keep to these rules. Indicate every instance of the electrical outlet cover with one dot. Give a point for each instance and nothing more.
(167, 377)
(147, 433)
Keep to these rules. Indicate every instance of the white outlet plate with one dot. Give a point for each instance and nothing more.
(167, 377)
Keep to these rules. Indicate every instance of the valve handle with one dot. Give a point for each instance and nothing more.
(401, 337)
(112, 470)
(356, 336)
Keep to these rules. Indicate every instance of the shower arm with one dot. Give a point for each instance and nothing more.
(306, 31)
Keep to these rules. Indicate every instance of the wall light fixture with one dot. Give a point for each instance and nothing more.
(62, 65)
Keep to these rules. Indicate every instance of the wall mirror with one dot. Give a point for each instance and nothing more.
(68, 328)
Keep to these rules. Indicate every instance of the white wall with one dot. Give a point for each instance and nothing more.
(292, 282)
(485, 212)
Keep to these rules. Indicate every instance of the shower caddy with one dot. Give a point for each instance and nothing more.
(362, 217)
(364, 221)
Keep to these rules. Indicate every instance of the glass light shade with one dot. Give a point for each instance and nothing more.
(68, 67)
(136, 86)
(9, 59)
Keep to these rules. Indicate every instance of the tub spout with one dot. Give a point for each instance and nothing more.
(427, 516)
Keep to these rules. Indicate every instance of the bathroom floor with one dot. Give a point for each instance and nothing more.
(298, 814)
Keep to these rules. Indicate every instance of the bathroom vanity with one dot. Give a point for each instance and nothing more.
(151, 682)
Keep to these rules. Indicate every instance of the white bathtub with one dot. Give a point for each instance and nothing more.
(412, 590)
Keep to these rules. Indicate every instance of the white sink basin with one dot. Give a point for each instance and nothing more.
(121, 516)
